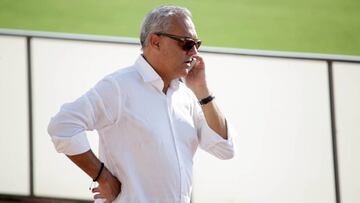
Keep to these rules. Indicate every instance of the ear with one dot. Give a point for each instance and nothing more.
(154, 41)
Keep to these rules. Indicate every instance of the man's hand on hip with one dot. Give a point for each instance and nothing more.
(109, 187)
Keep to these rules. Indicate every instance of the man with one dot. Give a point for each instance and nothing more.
(150, 118)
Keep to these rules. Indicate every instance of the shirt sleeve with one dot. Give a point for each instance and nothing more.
(96, 109)
(211, 141)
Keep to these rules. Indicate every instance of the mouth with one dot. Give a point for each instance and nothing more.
(188, 62)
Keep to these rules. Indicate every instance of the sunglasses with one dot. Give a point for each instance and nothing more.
(186, 43)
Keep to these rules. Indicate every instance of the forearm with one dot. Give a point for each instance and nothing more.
(88, 162)
(214, 117)
(196, 81)
(109, 186)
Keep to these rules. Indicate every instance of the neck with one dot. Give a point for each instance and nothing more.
(157, 67)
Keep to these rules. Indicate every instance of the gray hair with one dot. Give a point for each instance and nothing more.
(159, 20)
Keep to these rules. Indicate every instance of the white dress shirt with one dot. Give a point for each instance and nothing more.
(147, 139)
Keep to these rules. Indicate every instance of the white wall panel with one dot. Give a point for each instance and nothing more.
(63, 71)
(14, 137)
(347, 100)
(280, 108)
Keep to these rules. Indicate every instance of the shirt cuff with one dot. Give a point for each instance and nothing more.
(217, 145)
(73, 145)
(214, 138)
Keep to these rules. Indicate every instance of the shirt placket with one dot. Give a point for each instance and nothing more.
(176, 145)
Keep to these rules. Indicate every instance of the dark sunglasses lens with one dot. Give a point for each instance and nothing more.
(189, 44)
(198, 43)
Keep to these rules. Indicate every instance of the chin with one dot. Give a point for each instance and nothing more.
(182, 71)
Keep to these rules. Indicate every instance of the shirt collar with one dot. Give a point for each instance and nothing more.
(149, 75)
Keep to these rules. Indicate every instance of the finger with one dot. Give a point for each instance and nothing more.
(99, 201)
(198, 58)
(95, 189)
(200, 64)
(99, 196)
(195, 61)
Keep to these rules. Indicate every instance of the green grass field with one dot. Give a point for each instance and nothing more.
(315, 26)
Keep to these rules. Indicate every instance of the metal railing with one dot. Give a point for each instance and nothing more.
(328, 58)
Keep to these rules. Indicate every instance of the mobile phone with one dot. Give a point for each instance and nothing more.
(192, 64)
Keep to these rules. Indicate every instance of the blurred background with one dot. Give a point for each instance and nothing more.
(286, 74)
(316, 26)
